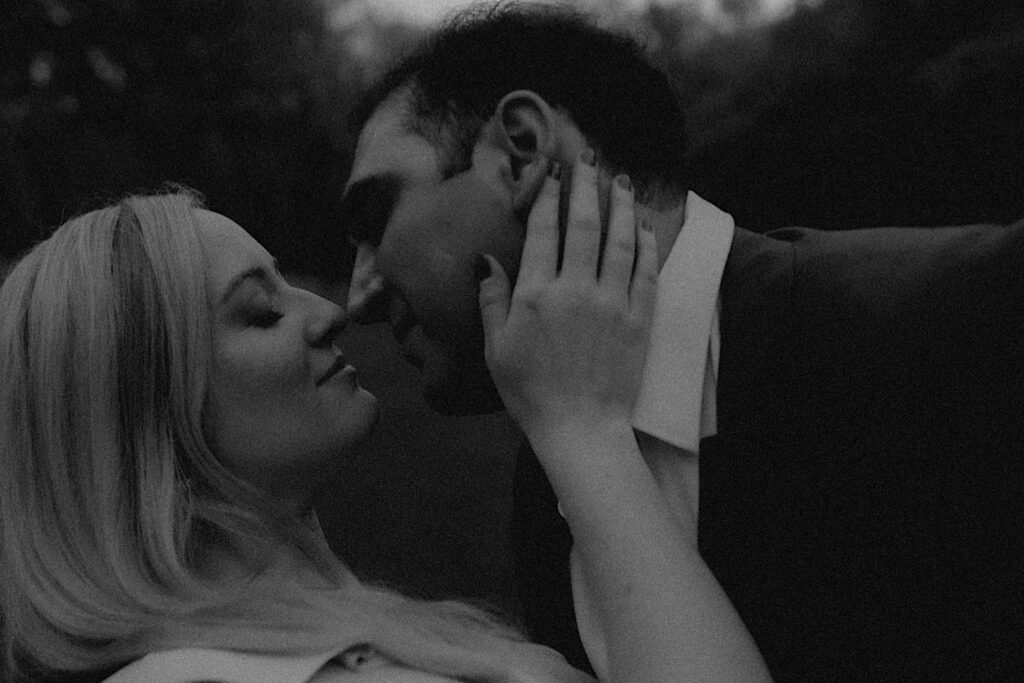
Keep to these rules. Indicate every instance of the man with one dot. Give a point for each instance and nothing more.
(838, 413)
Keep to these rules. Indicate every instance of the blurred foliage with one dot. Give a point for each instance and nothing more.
(847, 113)
(236, 98)
(860, 113)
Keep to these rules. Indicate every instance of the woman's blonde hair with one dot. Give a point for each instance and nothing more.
(111, 494)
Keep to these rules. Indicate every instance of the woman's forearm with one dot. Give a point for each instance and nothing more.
(664, 616)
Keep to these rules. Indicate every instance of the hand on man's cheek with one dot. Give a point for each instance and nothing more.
(432, 244)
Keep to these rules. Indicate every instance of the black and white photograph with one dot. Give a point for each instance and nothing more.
(511, 341)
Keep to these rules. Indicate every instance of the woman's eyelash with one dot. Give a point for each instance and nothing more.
(266, 318)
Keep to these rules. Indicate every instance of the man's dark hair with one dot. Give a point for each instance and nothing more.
(624, 105)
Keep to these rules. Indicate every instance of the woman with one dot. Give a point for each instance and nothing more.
(170, 404)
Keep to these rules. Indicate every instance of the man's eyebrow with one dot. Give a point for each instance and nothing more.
(259, 273)
(367, 206)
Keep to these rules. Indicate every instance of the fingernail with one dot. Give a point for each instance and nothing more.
(623, 182)
(481, 268)
(555, 170)
(589, 157)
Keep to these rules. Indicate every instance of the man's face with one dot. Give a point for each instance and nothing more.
(418, 235)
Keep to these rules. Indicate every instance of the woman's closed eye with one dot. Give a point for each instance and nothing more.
(262, 317)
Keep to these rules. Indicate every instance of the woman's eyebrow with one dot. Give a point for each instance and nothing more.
(367, 205)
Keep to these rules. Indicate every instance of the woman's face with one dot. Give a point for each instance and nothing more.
(282, 405)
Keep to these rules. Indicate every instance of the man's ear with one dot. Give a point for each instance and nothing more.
(523, 128)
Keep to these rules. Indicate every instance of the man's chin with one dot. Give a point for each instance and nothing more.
(462, 395)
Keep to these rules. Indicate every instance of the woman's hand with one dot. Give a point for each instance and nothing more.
(566, 350)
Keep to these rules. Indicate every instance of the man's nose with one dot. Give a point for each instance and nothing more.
(327, 325)
(367, 290)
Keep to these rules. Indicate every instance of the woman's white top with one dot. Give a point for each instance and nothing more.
(192, 665)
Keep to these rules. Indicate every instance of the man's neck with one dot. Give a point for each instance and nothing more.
(667, 222)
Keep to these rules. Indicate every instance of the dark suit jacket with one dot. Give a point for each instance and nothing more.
(863, 501)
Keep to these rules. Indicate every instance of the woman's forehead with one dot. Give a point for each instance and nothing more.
(228, 249)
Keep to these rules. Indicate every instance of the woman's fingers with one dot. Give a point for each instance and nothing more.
(629, 263)
(645, 277)
(539, 261)
(620, 244)
(531, 182)
(583, 226)
(493, 295)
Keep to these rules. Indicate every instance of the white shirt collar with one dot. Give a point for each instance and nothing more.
(676, 401)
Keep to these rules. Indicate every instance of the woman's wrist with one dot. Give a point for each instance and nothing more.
(576, 433)
(588, 461)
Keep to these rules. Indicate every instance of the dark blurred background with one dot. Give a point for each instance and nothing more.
(827, 113)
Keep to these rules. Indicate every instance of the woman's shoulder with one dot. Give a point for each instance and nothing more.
(195, 665)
